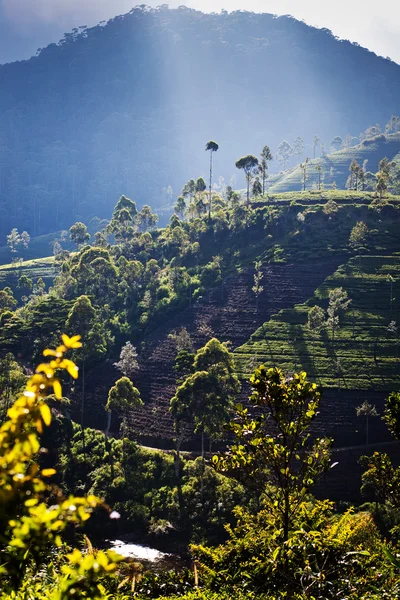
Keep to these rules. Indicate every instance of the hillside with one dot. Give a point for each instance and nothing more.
(335, 166)
(99, 121)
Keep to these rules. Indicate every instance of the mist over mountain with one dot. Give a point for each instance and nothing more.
(127, 107)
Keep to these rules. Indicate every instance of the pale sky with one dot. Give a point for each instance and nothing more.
(24, 24)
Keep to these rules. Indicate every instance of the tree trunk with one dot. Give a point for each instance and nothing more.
(209, 202)
(83, 409)
(108, 426)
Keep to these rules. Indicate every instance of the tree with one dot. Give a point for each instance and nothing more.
(354, 171)
(266, 157)
(319, 170)
(336, 144)
(358, 238)
(14, 239)
(146, 219)
(78, 234)
(272, 452)
(283, 153)
(180, 206)
(316, 321)
(366, 410)
(316, 142)
(128, 360)
(122, 397)
(81, 319)
(391, 414)
(206, 396)
(257, 187)
(201, 185)
(338, 304)
(7, 300)
(25, 283)
(257, 288)
(211, 147)
(303, 167)
(248, 164)
(298, 146)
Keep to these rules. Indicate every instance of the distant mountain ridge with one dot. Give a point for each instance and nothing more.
(128, 107)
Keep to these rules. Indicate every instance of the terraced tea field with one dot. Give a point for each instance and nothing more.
(365, 354)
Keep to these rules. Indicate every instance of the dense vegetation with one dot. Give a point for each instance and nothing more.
(119, 108)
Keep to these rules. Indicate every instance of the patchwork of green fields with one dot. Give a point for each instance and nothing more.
(364, 355)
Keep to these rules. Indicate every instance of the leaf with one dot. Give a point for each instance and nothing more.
(57, 389)
(45, 414)
(48, 472)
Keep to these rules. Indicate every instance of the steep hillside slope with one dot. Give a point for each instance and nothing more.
(228, 313)
(335, 166)
(128, 107)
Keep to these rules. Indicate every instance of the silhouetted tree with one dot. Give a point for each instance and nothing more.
(211, 147)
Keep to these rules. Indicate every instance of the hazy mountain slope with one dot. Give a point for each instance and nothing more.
(128, 107)
(335, 166)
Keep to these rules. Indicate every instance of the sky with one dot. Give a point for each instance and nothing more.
(26, 25)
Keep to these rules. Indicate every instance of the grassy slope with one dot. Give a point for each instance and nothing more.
(287, 342)
(39, 267)
(372, 150)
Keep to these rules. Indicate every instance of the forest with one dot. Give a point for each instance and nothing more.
(200, 377)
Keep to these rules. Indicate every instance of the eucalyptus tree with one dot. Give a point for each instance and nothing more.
(316, 321)
(366, 410)
(266, 157)
(303, 167)
(248, 164)
(283, 153)
(78, 234)
(211, 147)
(257, 288)
(122, 398)
(339, 302)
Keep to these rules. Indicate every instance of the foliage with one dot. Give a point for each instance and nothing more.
(29, 528)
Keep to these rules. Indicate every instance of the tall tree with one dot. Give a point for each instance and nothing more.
(248, 164)
(298, 146)
(257, 288)
(78, 234)
(283, 153)
(266, 157)
(278, 461)
(128, 360)
(81, 318)
(366, 410)
(303, 168)
(122, 397)
(211, 147)
(338, 304)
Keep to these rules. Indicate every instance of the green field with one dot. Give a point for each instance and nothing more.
(364, 355)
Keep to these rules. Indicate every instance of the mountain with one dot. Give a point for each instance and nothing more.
(128, 106)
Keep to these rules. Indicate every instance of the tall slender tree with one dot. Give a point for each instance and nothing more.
(316, 142)
(266, 157)
(211, 147)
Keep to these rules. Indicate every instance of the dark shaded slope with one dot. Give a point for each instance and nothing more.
(128, 107)
(229, 315)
